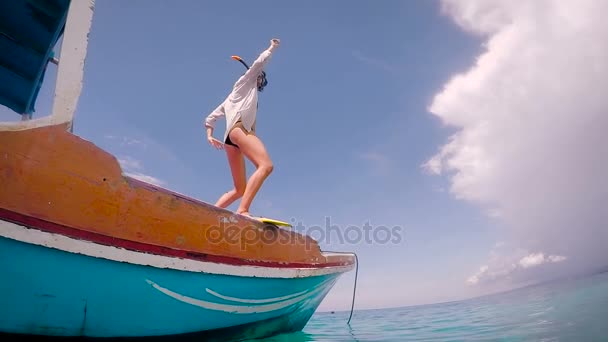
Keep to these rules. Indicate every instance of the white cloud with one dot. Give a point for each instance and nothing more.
(532, 115)
(532, 260)
(133, 168)
(145, 178)
(556, 258)
(434, 165)
(474, 279)
(513, 266)
(126, 141)
(536, 259)
(129, 163)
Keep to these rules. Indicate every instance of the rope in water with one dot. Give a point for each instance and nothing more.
(354, 288)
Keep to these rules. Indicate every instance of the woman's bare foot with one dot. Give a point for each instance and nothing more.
(244, 213)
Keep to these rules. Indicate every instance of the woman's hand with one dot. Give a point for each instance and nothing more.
(215, 143)
(275, 42)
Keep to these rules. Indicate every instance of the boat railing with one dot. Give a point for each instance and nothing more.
(68, 84)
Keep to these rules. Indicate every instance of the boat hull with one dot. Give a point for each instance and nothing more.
(52, 292)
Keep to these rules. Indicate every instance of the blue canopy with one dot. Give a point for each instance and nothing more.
(29, 30)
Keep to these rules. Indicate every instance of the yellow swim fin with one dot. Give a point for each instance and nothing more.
(273, 221)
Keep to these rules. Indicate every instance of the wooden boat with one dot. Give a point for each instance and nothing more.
(87, 251)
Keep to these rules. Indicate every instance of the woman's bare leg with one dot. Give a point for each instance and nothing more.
(253, 148)
(237, 168)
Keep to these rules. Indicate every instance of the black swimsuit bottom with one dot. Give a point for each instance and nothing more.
(229, 142)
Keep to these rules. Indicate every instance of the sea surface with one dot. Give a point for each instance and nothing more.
(564, 310)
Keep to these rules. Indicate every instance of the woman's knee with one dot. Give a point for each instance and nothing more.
(266, 168)
(239, 190)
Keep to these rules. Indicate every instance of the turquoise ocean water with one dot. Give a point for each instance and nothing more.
(565, 310)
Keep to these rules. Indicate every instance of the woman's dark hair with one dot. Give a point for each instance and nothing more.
(264, 81)
(263, 74)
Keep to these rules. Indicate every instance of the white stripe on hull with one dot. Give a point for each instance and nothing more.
(269, 306)
(33, 236)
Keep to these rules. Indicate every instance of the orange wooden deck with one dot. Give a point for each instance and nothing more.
(54, 175)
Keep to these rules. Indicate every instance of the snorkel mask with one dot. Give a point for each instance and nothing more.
(263, 74)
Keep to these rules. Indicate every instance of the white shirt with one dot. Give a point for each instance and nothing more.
(242, 102)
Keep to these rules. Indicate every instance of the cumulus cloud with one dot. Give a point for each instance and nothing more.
(514, 266)
(532, 116)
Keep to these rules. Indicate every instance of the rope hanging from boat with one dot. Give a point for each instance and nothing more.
(354, 288)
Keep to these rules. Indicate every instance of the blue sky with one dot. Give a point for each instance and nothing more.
(344, 118)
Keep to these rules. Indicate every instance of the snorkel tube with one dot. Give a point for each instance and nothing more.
(237, 58)
(264, 80)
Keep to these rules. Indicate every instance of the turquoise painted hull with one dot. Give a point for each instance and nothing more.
(50, 292)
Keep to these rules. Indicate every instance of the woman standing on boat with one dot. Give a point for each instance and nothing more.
(240, 109)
